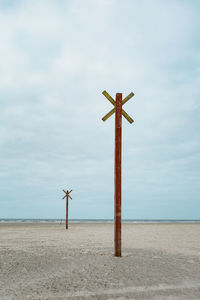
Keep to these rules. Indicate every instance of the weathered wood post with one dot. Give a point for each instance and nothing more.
(67, 196)
(117, 195)
(118, 146)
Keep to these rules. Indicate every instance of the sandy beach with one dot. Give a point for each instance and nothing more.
(46, 261)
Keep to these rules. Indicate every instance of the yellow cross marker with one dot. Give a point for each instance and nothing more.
(66, 194)
(129, 119)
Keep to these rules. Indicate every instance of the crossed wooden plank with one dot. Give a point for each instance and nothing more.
(129, 119)
(67, 194)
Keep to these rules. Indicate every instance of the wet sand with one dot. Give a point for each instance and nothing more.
(46, 261)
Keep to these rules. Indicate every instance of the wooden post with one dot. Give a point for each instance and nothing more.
(67, 210)
(118, 147)
(67, 196)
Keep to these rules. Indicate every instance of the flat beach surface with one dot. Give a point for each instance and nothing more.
(46, 261)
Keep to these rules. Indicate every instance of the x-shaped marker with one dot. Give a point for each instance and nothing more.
(129, 119)
(67, 194)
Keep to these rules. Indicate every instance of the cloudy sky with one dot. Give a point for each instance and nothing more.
(56, 58)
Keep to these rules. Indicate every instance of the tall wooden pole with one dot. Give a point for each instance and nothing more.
(67, 210)
(118, 147)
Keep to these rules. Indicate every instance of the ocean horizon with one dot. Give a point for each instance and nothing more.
(46, 220)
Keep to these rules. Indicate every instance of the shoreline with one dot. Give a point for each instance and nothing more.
(87, 221)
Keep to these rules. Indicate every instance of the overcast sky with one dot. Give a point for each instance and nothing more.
(56, 58)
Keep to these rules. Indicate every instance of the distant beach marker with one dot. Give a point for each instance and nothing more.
(67, 196)
(118, 145)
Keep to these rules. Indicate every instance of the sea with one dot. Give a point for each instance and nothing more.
(4, 220)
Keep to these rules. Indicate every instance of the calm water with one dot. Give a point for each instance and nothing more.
(95, 221)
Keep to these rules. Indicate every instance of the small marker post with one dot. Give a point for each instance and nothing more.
(67, 196)
(118, 146)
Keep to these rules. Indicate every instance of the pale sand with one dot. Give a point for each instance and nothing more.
(45, 261)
